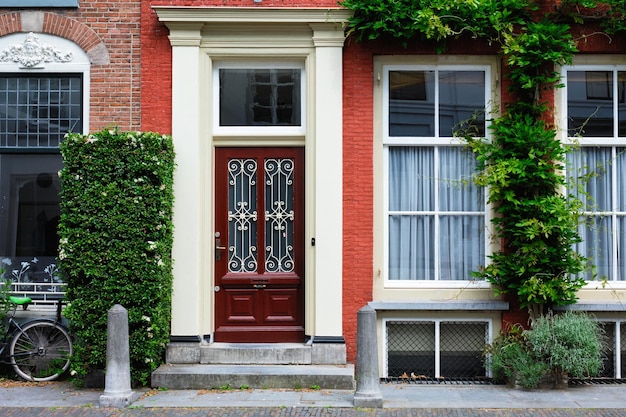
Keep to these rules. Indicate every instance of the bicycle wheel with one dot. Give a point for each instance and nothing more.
(40, 351)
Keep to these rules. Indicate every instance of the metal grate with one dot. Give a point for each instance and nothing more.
(608, 369)
(37, 111)
(614, 363)
(436, 350)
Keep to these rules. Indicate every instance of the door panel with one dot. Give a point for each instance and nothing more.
(259, 268)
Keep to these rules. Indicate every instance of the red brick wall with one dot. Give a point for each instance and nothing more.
(358, 184)
(112, 26)
(156, 66)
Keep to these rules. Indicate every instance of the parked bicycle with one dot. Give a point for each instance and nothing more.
(38, 349)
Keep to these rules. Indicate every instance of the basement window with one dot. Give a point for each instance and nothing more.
(426, 349)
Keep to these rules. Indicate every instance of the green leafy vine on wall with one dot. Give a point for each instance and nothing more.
(522, 163)
(116, 237)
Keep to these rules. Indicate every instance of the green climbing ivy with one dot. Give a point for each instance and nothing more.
(522, 163)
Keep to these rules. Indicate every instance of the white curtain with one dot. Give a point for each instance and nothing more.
(421, 217)
(594, 166)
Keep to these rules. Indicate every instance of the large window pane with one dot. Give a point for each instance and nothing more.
(460, 246)
(457, 190)
(590, 103)
(590, 168)
(411, 175)
(260, 97)
(597, 245)
(29, 211)
(412, 103)
(461, 99)
(411, 247)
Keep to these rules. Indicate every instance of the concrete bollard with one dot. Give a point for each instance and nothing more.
(117, 391)
(368, 392)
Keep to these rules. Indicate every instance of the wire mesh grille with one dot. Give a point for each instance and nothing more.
(413, 348)
(608, 370)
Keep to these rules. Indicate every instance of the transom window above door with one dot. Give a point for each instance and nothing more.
(259, 99)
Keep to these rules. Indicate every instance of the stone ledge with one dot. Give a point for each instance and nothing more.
(588, 306)
(40, 3)
(429, 305)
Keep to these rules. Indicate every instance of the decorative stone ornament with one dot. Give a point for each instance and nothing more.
(33, 53)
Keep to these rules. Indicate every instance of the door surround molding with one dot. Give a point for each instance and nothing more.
(200, 36)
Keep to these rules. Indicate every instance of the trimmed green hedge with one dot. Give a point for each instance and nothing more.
(115, 244)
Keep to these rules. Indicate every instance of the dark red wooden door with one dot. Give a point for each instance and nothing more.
(259, 238)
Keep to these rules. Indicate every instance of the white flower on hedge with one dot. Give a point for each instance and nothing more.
(92, 139)
(63, 241)
(62, 254)
(148, 360)
(161, 263)
(152, 245)
(145, 318)
(73, 373)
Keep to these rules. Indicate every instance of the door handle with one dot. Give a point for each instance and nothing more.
(218, 250)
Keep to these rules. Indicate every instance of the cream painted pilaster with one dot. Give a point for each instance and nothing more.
(328, 40)
(189, 213)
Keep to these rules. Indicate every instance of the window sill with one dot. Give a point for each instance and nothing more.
(455, 305)
(590, 306)
(427, 284)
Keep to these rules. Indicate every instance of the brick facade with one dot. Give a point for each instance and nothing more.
(358, 144)
(109, 33)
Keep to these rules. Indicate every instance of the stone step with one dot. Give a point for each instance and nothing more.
(205, 376)
(256, 354)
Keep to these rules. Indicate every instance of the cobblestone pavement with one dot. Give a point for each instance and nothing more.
(302, 412)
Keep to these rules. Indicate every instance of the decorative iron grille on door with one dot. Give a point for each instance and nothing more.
(278, 215)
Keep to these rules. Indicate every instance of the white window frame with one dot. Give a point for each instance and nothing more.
(437, 322)
(430, 141)
(612, 142)
(264, 131)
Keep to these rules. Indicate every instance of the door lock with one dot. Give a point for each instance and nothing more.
(218, 250)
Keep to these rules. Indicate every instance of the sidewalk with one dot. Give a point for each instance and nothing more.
(395, 396)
